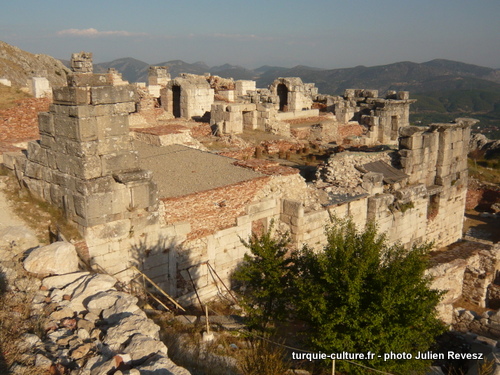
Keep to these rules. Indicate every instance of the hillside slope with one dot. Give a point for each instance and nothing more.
(19, 66)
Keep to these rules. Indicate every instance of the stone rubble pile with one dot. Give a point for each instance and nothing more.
(487, 323)
(88, 326)
(340, 175)
(92, 329)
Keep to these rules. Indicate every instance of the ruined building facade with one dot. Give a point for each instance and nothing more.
(179, 214)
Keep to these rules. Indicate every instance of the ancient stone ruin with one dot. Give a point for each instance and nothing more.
(85, 164)
(179, 213)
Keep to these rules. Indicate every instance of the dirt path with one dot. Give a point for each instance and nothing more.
(7, 216)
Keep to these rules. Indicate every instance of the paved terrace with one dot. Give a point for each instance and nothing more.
(180, 170)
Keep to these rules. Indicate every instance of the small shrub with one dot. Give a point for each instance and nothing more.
(263, 358)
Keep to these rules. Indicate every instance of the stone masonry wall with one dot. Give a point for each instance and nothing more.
(436, 156)
(464, 271)
(85, 164)
(220, 219)
(196, 96)
(299, 95)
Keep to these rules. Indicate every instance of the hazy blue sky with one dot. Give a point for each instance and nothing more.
(321, 33)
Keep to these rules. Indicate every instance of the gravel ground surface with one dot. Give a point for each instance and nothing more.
(180, 170)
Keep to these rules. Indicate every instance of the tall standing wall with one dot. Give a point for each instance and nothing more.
(85, 164)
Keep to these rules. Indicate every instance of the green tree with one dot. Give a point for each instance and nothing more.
(358, 294)
(264, 276)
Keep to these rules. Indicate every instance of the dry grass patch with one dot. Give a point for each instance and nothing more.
(483, 173)
(15, 320)
(9, 96)
(38, 214)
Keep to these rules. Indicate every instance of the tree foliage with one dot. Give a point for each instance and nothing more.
(264, 275)
(358, 294)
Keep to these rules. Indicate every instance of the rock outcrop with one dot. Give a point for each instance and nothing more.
(54, 259)
(19, 66)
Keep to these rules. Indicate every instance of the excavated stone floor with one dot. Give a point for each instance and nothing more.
(180, 170)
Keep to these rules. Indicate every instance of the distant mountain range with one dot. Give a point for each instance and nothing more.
(435, 75)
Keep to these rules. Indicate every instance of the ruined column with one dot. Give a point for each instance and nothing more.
(85, 164)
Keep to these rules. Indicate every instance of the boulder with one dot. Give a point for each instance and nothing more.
(88, 288)
(129, 326)
(16, 240)
(162, 365)
(61, 281)
(111, 304)
(142, 347)
(55, 259)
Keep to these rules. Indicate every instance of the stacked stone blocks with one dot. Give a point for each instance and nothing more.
(85, 164)
(436, 156)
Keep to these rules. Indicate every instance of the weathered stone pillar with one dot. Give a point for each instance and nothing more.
(86, 165)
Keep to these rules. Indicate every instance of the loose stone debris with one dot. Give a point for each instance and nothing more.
(89, 327)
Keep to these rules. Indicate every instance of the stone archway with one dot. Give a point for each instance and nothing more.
(282, 92)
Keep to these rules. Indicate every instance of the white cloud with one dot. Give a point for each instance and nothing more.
(244, 37)
(96, 33)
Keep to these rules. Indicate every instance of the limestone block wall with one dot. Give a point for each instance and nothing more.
(221, 248)
(194, 99)
(85, 164)
(154, 90)
(227, 95)
(232, 118)
(243, 86)
(436, 156)
(282, 116)
(466, 271)
(267, 118)
(158, 76)
(219, 220)
(307, 227)
(40, 86)
(392, 115)
(402, 220)
(299, 96)
(382, 117)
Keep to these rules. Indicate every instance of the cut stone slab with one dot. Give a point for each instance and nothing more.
(162, 365)
(58, 295)
(124, 304)
(61, 281)
(57, 258)
(88, 288)
(17, 239)
(141, 347)
(128, 327)
(101, 301)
